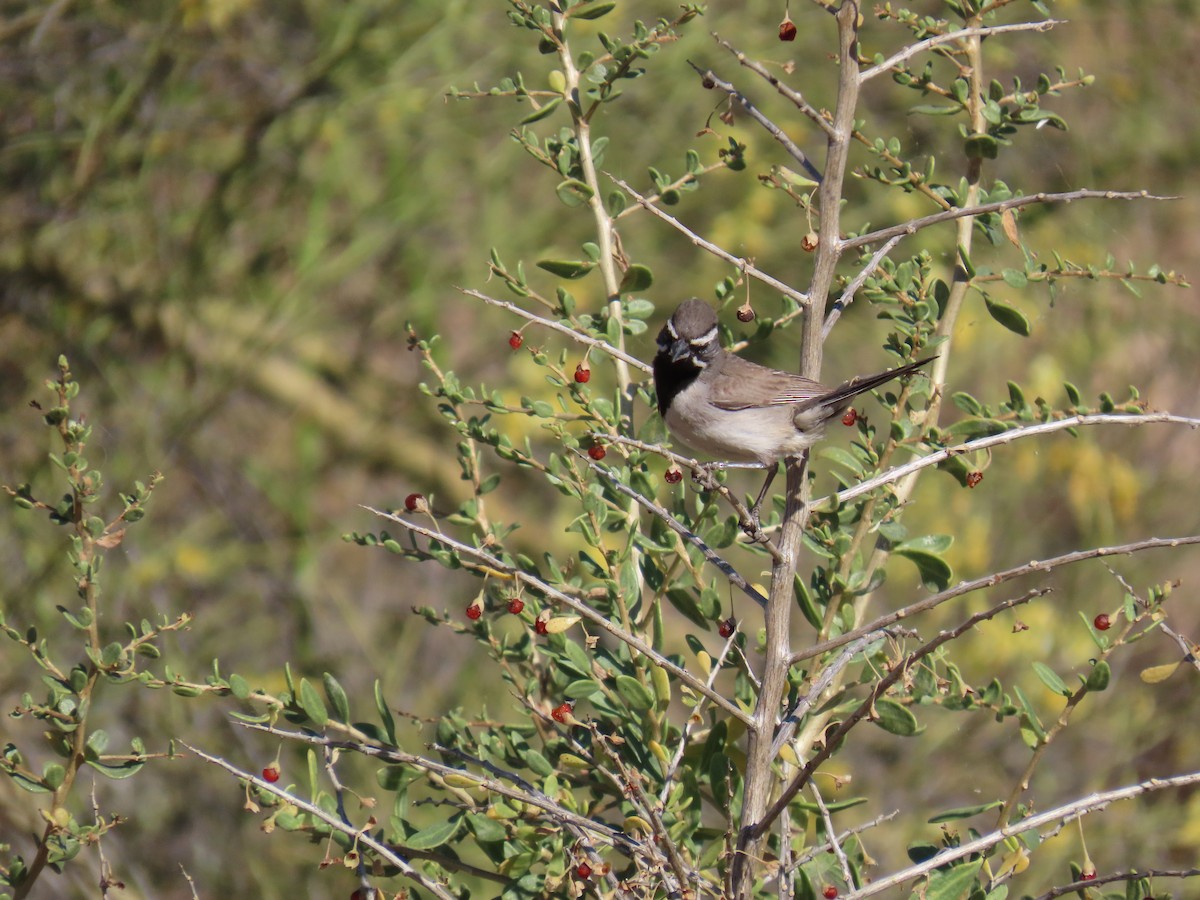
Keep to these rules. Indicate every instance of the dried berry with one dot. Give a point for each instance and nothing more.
(974, 478)
(787, 30)
(674, 475)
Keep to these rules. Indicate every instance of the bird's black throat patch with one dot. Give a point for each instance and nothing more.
(671, 377)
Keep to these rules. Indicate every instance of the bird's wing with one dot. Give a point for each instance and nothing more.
(742, 384)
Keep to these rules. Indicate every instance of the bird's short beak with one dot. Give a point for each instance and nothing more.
(680, 349)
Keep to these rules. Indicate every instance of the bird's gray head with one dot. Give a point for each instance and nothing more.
(691, 331)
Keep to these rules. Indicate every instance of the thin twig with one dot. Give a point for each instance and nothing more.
(828, 673)
(929, 43)
(1132, 875)
(682, 530)
(835, 845)
(567, 330)
(743, 265)
(1062, 814)
(1005, 437)
(814, 852)
(914, 225)
(790, 93)
(699, 472)
(363, 837)
(847, 296)
(792, 149)
(987, 581)
(578, 606)
(833, 741)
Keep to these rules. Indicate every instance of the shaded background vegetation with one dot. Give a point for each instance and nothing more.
(224, 212)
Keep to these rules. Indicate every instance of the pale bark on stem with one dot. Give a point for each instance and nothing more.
(760, 778)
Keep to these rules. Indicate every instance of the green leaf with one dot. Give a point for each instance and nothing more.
(930, 110)
(981, 146)
(486, 830)
(1050, 679)
(573, 192)
(566, 268)
(964, 812)
(970, 429)
(54, 775)
(594, 12)
(636, 278)
(312, 704)
(538, 763)
(930, 543)
(1008, 316)
(844, 458)
(385, 714)
(1099, 677)
(953, 884)
(895, 719)
(337, 697)
(1015, 278)
(634, 693)
(935, 572)
(434, 835)
(538, 114)
(116, 773)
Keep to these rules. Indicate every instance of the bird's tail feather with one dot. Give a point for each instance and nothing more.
(839, 398)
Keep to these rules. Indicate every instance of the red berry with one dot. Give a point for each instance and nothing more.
(582, 374)
(271, 773)
(561, 712)
(539, 626)
(515, 340)
(413, 501)
(674, 475)
(1103, 622)
(474, 611)
(515, 605)
(1088, 876)
(584, 870)
(850, 417)
(787, 32)
(726, 628)
(974, 478)
(597, 452)
(830, 892)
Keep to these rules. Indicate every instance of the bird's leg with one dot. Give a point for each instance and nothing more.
(754, 527)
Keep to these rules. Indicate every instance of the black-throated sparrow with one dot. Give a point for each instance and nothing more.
(737, 410)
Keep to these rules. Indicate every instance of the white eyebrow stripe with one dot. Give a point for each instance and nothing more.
(707, 338)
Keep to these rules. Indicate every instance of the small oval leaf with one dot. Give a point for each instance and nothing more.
(1008, 316)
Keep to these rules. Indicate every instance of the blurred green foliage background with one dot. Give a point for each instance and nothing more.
(225, 211)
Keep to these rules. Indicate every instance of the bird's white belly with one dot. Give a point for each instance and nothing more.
(762, 434)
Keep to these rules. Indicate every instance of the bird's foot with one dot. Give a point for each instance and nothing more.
(705, 476)
(752, 527)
